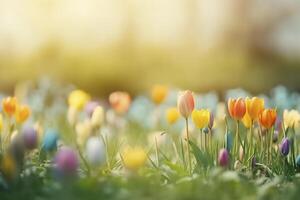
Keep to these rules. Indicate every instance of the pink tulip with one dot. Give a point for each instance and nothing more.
(185, 103)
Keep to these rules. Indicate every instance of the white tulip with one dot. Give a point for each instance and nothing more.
(95, 151)
(97, 117)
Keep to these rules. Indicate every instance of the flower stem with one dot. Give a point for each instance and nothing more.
(188, 146)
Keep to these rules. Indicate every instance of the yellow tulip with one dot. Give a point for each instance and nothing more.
(78, 98)
(8, 166)
(159, 93)
(201, 118)
(172, 115)
(22, 113)
(291, 118)
(254, 107)
(134, 158)
(247, 121)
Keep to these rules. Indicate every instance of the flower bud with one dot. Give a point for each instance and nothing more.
(30, 137)
(78, 99)
(185, 103)
(134, 158)
(172, 115)
(22, 113)
(49, 142)
(90, 107)
(97, 117)
(223, 158)
(201, 118)
(241, 153)
(66, 162)
(285, 147)
(120, 101)
(237, 108)
(211, 120)
(237, 165)
(83, 131)
(275, 136)
(9, 105)
(267, 118)
(159, 93)
(95, 151)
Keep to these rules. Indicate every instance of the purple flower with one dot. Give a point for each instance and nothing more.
(90, 107)
(66, 162)
(223, 158)
(285, 147)
(30, 137)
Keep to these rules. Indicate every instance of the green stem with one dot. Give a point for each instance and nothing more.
(188, 146)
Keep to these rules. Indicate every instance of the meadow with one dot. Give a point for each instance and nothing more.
(59, 142)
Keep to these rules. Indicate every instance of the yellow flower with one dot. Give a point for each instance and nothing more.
(291, 118)
(247, 121)
(254, 107)
(172, 115)
(201, 118)
(8, 166)
(9, 105)
(22, 113)
(159, 93)
(134, 158)
(78, 98)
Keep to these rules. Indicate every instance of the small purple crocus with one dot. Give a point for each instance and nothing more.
(30, 137)
(285, 146)
(90, 107)
(66, 162)
(223, 158)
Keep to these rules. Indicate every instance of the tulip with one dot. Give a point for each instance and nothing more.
(211, 120)
(291, 118)
(22, 113)
(72, 115)
(50, 140)
(8, 167)
(267, 118)
(185, 103)
(90, 107)
(159, 93)
(9, 105)
(254, 107)
(97, 117)
(298, 161)
(78, 99)
(247, 121)
(201, 118)
(120, 101)
(237, 108)
(83, 131)
(66, 162)
(30, 137)
(285, 147)
(223, 158)
(172, 115)
(95, 151)
(134, 158)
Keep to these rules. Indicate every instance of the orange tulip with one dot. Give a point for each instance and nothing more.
(22, 113)
(120, 101)
(9, 105)
(159, 93)
(237, 108)
(185, 103)
(267, 118)
(254, 107)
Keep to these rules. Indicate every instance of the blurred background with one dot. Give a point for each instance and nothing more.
(104, 45)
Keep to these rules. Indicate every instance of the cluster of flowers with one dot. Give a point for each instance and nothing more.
(258, 131)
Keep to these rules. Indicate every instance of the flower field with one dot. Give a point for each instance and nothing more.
(59, 142)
